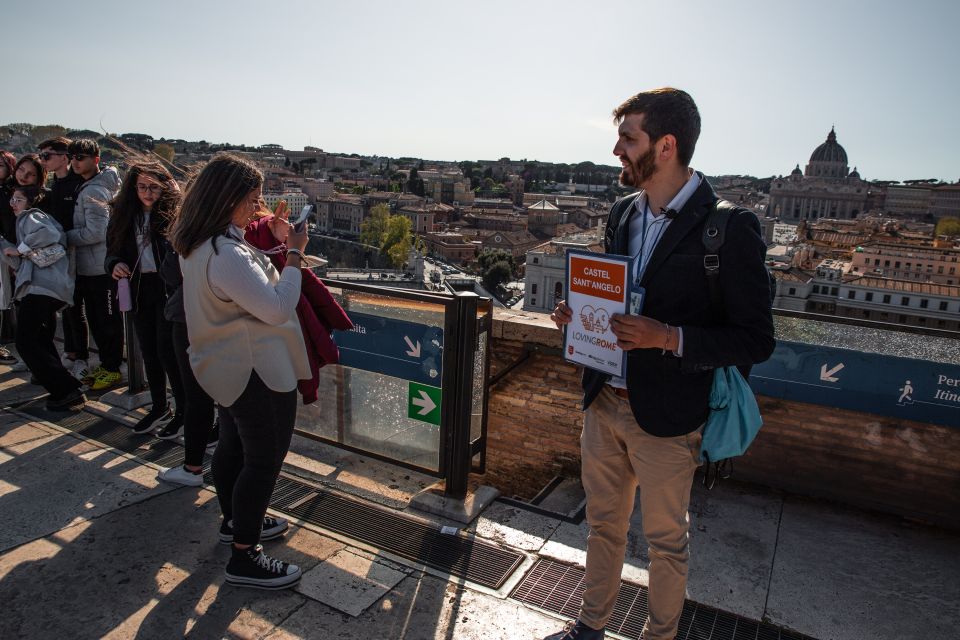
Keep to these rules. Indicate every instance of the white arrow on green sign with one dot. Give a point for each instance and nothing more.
(423, 403)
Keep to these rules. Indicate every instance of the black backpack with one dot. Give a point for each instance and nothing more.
(714, 233)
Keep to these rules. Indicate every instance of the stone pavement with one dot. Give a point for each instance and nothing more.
(93, 546)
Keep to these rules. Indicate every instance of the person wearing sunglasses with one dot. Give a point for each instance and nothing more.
(136, 247)
(43, 286)
(96, 290)
(55, 157)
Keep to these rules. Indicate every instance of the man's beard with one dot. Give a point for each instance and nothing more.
(635, 174)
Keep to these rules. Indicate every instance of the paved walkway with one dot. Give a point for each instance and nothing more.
(93, 546)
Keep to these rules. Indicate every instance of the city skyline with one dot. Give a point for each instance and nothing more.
(535, 82)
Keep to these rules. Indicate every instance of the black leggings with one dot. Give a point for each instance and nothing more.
(197, 407)
(255, 434)
(36, 326)
(154, 334)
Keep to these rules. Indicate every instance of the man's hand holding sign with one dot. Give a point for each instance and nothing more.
(598, 290)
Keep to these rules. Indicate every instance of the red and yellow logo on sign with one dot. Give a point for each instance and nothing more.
(596, 278)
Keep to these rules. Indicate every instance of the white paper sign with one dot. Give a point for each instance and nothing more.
(597, 287)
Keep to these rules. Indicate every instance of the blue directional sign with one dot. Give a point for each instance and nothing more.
(396, 348)
(884, 385)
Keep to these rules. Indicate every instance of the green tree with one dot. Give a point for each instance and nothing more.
(415, 183)
(45, 131)
(488, 257)
(496, 268)
(398, 240)
(496, 276)
(373, 230)
(948, 227)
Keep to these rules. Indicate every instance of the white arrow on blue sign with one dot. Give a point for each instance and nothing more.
(405, 350)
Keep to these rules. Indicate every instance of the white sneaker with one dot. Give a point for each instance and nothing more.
(179, 475)
(78, 369)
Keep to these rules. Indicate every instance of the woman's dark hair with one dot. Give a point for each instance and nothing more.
(10, 162)
(35, 159)
(126, 213)
(210, 200)
(30, 192)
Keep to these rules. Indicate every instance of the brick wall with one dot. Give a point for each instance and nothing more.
(896, 466)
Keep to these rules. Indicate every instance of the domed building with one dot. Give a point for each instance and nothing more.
(825, 189)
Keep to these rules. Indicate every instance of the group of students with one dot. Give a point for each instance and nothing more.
(221, 309)
(74, 209)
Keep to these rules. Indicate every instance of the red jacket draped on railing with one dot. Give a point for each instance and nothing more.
(318, 311)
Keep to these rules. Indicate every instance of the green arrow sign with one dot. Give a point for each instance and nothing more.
(423, 403)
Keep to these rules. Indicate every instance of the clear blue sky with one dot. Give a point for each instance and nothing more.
(453, 80)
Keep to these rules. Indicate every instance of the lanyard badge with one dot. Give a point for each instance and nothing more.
(637, 295)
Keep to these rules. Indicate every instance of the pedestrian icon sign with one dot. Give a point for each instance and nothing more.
(423, 403)
(906, 394)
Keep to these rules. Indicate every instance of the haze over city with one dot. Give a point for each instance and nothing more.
(535, 80)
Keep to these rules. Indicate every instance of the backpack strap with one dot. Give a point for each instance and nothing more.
(618, 218)
(714, 234)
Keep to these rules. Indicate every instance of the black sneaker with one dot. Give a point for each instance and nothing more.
(154, 419)
(71, 401)
(577, 631)
(251, 567)
(172, 428)
(271, 529)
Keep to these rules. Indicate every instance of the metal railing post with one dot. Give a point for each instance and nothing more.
(461, 395)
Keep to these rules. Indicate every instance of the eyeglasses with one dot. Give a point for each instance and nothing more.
(80, 156)
(46, 155)
(149, 188)
(15, 200)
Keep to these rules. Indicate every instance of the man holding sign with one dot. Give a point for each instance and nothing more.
(642, 430)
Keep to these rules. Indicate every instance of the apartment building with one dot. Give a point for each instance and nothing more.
(546, 268)
(940, 265)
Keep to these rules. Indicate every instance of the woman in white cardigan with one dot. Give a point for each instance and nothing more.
(247, 352)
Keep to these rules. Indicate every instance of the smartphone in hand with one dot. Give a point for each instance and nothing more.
(299, 220)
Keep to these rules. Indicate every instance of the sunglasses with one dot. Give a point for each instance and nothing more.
(46, 155)
(149, 188)
(80, 156)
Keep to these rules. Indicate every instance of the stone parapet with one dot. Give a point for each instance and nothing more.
(875, 462)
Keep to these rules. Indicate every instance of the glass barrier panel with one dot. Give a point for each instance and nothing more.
(385, 396)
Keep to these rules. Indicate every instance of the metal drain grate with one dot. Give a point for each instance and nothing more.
(558, 587)
(474, 560)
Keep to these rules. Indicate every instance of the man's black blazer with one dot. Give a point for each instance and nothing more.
(668, 394)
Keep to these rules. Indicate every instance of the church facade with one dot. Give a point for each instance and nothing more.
(825, 189)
